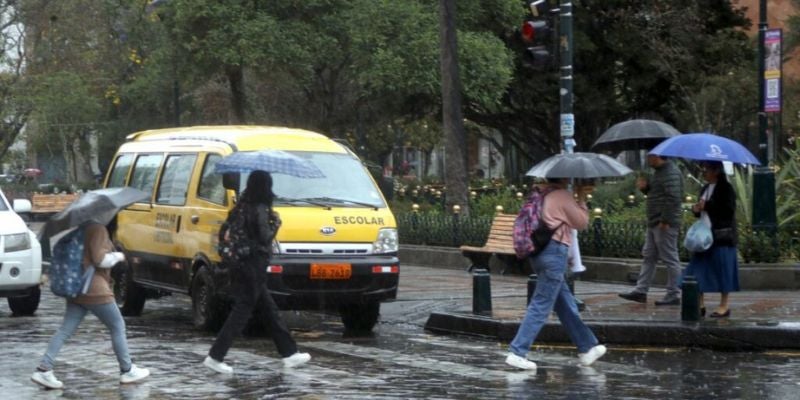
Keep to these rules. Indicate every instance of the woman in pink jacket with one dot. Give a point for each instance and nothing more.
(562, 214)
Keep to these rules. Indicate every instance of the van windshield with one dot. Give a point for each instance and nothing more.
(346, 184)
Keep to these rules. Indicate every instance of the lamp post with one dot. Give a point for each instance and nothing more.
(764, 217)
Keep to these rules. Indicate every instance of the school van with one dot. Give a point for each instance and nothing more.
(336, 250)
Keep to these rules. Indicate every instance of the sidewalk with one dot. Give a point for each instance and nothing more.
(759, 319)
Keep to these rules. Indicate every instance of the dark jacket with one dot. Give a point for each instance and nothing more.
(721, 209)
(664, 192)
(262, 225)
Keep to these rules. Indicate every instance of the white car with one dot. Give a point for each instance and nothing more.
(20, 258)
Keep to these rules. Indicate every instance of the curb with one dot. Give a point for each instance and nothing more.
(743, 336)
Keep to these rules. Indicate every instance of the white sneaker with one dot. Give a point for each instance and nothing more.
(296, 359)
(592, 355)
(519, 362)
(217, 366)
(47, 379)
(135, 374)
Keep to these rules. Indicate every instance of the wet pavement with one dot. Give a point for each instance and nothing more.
(759, 319)
(401, 360)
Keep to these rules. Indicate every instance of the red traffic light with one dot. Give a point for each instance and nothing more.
(533, 30)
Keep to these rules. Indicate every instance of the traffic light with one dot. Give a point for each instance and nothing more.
(537, 35)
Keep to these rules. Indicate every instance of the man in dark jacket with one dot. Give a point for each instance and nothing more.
(664, 193)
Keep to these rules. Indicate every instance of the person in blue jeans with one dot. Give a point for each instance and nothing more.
(99, 300)
(560, 210)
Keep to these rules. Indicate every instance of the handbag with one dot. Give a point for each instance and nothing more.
(725, 235)
(699, 237)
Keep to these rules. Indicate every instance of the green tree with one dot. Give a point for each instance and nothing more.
(13, 114)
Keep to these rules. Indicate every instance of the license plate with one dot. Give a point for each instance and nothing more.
(330, 271)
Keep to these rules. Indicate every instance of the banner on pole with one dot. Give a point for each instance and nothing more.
(773, 40)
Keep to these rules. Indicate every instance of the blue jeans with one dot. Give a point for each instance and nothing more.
(108, 314)
(551, 294)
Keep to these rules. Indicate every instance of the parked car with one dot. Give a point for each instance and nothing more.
(20, 258)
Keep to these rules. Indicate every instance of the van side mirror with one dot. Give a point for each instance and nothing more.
(230, 181)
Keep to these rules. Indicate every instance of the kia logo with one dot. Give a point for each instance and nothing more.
(327, 230)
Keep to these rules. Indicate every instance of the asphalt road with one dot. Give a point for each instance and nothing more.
(399, 361)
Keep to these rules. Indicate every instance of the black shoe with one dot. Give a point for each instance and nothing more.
(635, 296)
(669, 301)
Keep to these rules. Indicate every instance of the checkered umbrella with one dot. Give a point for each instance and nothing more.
(272, 161)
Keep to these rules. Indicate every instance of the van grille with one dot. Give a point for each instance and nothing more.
(339, 249)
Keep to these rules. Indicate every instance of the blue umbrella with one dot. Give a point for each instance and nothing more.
(272, 161)
(705, 147)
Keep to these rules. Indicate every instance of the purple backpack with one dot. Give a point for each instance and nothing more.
(531, 235)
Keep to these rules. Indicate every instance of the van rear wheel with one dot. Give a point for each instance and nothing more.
(360, 317)
(207, 311)
(128, 294)
(25, 305)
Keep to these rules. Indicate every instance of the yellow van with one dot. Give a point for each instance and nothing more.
(336, 250)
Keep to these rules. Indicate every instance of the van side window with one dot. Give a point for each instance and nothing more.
(174, 184)
(120, 170)
(210, 187)
(144, 172)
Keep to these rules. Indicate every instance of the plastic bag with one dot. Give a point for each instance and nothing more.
(698, 237)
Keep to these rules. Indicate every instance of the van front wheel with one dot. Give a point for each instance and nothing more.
(360, 317)
(129, 295)
(207, 310)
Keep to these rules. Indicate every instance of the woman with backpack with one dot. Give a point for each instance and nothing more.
(98, 251)
(561, 213)
(249, 278)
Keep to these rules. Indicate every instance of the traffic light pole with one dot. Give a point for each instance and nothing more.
(764, 216)
(567, 119)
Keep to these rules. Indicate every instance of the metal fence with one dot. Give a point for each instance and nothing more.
(600, 239)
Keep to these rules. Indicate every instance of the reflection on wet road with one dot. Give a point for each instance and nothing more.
(399, 361)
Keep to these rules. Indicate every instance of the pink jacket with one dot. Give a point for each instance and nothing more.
(562, 213)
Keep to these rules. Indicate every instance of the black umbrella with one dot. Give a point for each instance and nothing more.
(579, 165)
(635, 134)
(97, 205)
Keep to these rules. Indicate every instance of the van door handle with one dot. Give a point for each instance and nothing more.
(195, 219)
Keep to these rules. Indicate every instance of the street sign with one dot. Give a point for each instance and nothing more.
(567, 125)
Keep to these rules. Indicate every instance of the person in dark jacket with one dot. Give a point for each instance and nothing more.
(664, 194)
(249, 280)
(717, 269)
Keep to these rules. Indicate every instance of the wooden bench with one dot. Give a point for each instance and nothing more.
(499, 243)
(50, 203)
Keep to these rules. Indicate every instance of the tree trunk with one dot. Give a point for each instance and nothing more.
(235, 76)
(455, 174)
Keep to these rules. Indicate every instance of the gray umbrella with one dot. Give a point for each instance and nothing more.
(97, 205)
(579, 165)
(635, 134)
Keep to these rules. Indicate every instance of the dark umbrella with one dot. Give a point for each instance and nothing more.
(579, 165)
(636, 134)
(705, 147)
(97, 205)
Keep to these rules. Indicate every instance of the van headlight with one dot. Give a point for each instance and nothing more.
(16, 242)
(386, 241)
